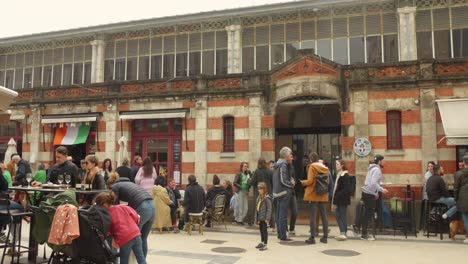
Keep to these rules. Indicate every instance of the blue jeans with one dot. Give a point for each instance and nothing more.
(341, 218)
(450, 203)
(13, 206)
(293, 208)
(147, 214)
(136, 246)
(465, 221)
(282, 215)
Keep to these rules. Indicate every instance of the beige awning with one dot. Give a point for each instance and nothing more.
(6, 97)
(455, 128)
(52, 119)
(154, 114)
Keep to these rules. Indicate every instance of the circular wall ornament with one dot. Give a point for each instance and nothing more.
(362, 147)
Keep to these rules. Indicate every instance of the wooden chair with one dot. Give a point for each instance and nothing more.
(217, 212)
(195, 218)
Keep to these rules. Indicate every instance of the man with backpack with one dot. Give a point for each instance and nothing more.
(316, 193)
(370, 193)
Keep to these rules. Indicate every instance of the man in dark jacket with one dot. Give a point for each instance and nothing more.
(63, 167)
(124, 170)
(437, 192)
(194, 198)
(23, 169)
(461, 194)
(283, 185)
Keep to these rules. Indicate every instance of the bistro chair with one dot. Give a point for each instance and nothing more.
(217, 212)
(16, 220)
(404, 214)
(195, 218)
(434, 221)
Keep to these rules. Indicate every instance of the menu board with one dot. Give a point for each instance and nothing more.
(177, 150)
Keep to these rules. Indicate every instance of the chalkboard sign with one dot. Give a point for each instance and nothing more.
(177, 150)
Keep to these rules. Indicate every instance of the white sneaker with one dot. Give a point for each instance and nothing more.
(368, 238)
(341, 238)
(444, 216)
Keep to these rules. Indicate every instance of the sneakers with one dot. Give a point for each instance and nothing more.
(292, 233)
(286, 240)
(356, 231)
(259, 246)
(310, 241)
(341, 238)
(368, 238)
(323, 240)
(444, 216)
(263, 248)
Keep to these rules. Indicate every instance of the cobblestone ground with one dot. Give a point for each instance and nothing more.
(237, 245)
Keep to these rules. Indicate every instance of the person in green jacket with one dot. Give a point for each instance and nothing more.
(6, 174)
(40, 175)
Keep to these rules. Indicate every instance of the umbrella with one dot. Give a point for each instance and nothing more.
(122, 149)
(11, 149)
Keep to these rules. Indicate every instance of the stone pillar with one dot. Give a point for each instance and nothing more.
(97, 63)
(428, 127)
(407, 33)
(110, 117)
(255, 130)
(234, 48)
(361, 126)
(34, 137)
(201, 130)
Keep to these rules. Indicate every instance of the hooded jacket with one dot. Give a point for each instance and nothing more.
(309, 184)
(283, 181)
(372, 183)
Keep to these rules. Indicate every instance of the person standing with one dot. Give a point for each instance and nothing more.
(146, 175)
(316, 193)
(124, 170)
(242, 189)
(341, 198)
(461, 194)
(263, 212)
(283, 185)
(137, 161)
(262, 174)
(370, 193)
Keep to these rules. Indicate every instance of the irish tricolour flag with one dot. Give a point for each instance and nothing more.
(71, 135)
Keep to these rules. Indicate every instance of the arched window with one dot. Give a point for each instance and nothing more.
(228, 134)
(394, 130)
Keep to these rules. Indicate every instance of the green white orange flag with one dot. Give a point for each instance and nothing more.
(71, 135)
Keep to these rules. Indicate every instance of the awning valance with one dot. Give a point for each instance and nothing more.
(154, 114)
(17, 117)
(455, 129)
(52, 119)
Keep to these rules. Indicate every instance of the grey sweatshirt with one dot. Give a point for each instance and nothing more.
(372, 183)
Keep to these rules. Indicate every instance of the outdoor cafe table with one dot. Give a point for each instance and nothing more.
(33, 190)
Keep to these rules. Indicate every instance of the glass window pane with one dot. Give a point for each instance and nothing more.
(9, 77)
(247, 59)
(194, 63)
(2, 61)
(163, 125)
(156, 45)
(208, 40)
(442, 44)
(78, 72)
(108, 70)
(57, 75)
(373, 24)
(374, 49)
(131, 69)
(177, 125)
(340, 50)
(340, 27)
(143, 69)
(37, 76)
(47, 76)
(261, 35)
(38, 57)
(292, 32)
(19, 61)
(356, 50)
(18, 79)
(323, 29)
(119, 70)
(221, 61)
(2, 78)
(291, 50)
(168, 66)
(120, 48)
(391, 48)
(28, 59)
(277, 54)
(132, 47)
(356, 26)
(309, 44)
(109, 51)
(308, 30)
(10, 61)
(248, 37)
(169, 42)
(143, 47)
(156, 67)
(88, 52)
(195, 41)
(460, 43)
(58, 55)
(324, 48)
(68, 55)
(208, 62)
(138, 125)
(262, 58)
(27, 83)
(221, 39)
(48, 56)
(67, 74)
(277, 33)
(182, 43)
(424, 40)
(181, 64)
(87, 73)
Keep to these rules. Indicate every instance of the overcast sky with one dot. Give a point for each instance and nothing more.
(23, 17)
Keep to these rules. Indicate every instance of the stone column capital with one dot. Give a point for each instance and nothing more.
(233, 28)
(97, 42)
(406, 10)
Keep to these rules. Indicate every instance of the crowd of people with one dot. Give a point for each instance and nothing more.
(154, 202)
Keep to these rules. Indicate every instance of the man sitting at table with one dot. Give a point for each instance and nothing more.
(437, 192)
(62, 167)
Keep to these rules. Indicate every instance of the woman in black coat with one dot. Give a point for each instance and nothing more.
(341, 197)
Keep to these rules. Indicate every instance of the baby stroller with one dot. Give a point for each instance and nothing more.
(90, 247)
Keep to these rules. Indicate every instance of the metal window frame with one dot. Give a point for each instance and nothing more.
(228, 126)
(394, 131)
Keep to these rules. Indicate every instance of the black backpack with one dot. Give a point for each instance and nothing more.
(321, 184)
(352, 185)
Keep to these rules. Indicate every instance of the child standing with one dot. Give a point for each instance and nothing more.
(263, 214)
(124, 228)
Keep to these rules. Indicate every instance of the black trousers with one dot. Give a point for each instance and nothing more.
(369, 207)
(264, 232)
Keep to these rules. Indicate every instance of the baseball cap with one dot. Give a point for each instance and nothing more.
(378, 158)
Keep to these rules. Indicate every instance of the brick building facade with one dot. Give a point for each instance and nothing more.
(239, 84)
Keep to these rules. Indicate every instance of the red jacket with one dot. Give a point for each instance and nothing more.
(124, 224)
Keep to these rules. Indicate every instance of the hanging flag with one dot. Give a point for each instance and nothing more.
(71, 135)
